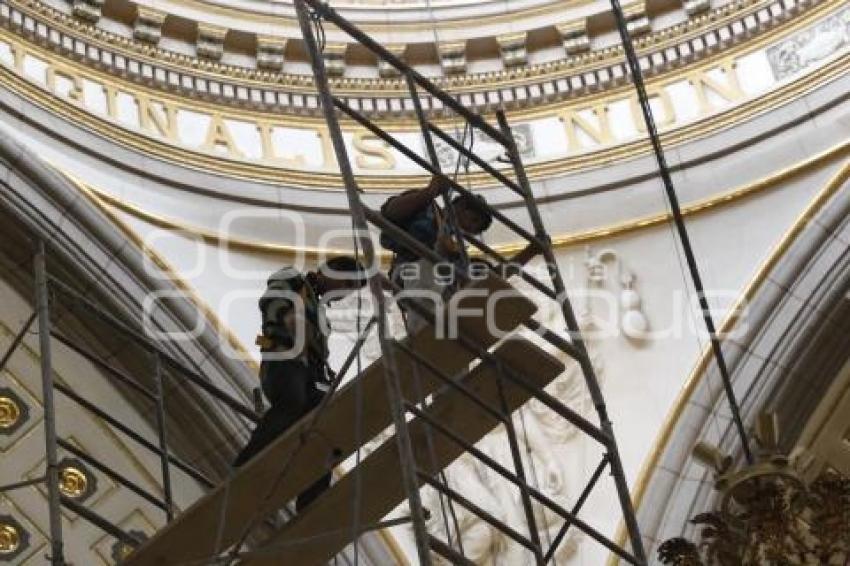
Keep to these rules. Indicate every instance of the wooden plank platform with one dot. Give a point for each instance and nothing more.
(324, 528)
(191, 537)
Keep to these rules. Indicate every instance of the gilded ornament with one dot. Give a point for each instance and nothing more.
(10, 413)
(73, 482)
(10, 539)
(13, 411)
(14, 539)
(767, 513)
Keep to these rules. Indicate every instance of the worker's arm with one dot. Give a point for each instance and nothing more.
(401, 207)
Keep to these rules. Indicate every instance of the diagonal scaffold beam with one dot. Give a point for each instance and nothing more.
(681, 228)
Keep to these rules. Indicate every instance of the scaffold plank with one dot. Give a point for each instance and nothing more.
(192, 536)
(325, 528)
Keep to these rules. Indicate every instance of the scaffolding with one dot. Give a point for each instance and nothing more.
(311, 15)
(164, 371)
(439, 396)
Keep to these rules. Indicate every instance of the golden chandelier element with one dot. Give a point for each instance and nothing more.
(767, 514)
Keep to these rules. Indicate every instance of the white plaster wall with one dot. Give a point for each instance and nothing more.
(640, 380)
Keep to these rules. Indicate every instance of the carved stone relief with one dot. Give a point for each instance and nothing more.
(623, 314)
(810, 46)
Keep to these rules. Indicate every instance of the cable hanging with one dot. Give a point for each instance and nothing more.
(693, 268)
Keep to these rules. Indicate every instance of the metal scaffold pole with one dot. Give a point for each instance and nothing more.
(681, 230)
(362, 239)
(42, 300)
(163, 437)
(613, 452)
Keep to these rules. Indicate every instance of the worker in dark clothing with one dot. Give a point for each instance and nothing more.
(294, 372)
(417, 213)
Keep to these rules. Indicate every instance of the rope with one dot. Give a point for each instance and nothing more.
(536, 483)
(358, 417)
(693, 267)
(443, 477)
(432, 455)
(316, 19)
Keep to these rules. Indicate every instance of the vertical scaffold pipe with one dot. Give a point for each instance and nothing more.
(361, 235)
(42, 301)
(613, 451)
(163, 437)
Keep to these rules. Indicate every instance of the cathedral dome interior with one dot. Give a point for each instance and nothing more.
(424, 282)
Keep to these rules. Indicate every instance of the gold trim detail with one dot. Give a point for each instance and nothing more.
(558, 241)
(73, 482)
(352, 86)
(698, 372)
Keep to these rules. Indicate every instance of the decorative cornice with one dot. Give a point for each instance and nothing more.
(316, 179)
(88, 10)
(147, 27)
(271, 53)
(450, 16)
(513, 49)
(574, 37)
(165, 148)
(210, 42)
(516, 86)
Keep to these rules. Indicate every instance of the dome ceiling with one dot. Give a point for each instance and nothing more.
(389, 21)
(435, 6)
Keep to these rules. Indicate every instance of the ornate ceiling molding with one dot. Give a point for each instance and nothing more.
(69, 86)
(155, 134)
(576, 72)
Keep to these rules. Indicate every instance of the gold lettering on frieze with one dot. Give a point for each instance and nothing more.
(586, 126)
(157, 117)
(328, 153)
(55, 71)
(297, 161)
(372, 153)
(18, 53)
(219, 136)
(667, 117)
(729, 90)
(574, 123)
(110, 94)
